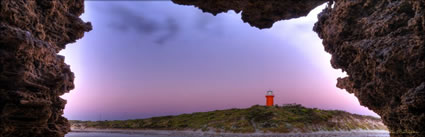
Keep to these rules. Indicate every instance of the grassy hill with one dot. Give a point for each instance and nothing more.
(281, 119)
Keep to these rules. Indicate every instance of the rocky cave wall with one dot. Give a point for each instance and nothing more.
(32, 74)
(381, 47)
(379, 43)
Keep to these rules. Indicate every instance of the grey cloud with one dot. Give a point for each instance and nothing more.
(172, 29)
(208, 23)
(128, 20)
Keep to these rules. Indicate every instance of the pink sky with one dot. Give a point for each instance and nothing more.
(146, 59)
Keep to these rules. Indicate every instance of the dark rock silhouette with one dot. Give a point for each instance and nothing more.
(380, 44)
(32, 74)
(258, 13)
(381, 47)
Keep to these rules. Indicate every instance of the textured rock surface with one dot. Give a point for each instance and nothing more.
(381, 47)
(32, 74)
(380, 44)
(258, 13)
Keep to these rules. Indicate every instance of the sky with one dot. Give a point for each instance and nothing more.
(154, 58)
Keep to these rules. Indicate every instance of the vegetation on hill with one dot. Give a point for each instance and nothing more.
(281, 119)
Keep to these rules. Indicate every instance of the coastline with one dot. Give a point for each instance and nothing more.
(190, 133)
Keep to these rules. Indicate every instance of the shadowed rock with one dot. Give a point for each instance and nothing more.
(32, 74)
(381, 47)
(258, 13)
(380, 44)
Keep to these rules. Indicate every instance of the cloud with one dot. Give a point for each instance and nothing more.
(172, 28)
(208, 23)
(136, 21)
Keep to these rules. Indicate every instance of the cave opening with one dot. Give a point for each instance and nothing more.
(380, 44)
(216, 61)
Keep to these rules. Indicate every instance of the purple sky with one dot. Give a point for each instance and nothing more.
(145, 59)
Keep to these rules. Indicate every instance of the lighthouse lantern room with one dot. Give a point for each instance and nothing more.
(269, 98)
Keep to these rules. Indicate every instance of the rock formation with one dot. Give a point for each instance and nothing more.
(381, 47)
(380, 44)
(32, 74)
(258, 13)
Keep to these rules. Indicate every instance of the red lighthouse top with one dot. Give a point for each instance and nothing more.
(269, 98)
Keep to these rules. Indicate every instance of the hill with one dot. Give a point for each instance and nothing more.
(277, 119)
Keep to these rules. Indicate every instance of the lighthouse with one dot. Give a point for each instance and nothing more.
(269, 98)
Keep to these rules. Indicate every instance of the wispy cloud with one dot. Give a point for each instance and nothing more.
(137, 21)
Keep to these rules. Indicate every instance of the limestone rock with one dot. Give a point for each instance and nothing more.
(32, 74)
(381, 47)
(380, 44)
(258, 13)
